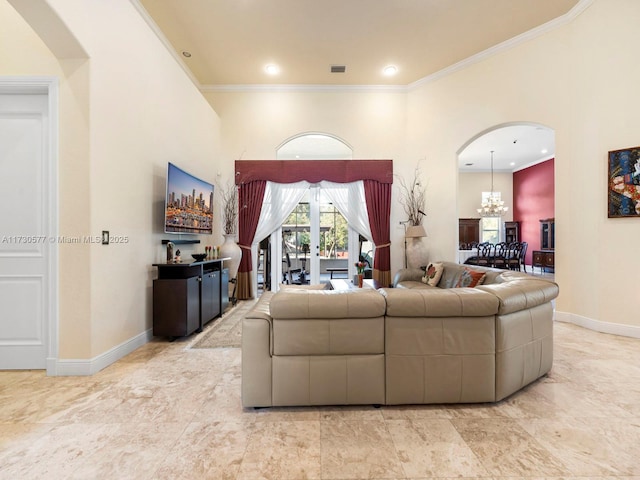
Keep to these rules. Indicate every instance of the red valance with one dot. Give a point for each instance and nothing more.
(313, 171)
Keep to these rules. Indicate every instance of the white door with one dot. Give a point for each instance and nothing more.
(24, 225)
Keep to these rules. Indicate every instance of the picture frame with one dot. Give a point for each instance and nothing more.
(623, 188)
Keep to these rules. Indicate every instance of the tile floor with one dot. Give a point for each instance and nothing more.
(170, 412)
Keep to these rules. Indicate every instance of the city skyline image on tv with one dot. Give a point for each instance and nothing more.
(188, 203)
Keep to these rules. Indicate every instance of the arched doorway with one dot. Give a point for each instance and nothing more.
(523, 159)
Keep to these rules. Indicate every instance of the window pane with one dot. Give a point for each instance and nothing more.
(295, 231)
(334, 234)
(490, 223)
(491, 229)
(490, 236)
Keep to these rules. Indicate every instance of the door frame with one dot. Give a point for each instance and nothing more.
(49, 86)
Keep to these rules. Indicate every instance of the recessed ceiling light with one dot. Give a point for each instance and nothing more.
(272, 69)
(512, 164)
(186, 54)
(390, 70)
(544, 150)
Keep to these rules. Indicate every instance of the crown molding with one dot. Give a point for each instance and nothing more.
(304, 88)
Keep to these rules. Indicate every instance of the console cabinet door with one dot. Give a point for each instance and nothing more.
(210, 296)
(176, 307)
(224, 289)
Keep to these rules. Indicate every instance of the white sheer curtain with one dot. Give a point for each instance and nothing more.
(279, 201)
(281, 198)
(349, 199)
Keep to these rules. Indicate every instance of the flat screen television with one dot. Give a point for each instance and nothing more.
(188, 203)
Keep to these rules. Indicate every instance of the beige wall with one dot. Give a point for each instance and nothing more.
(471, 186)
(124, 113)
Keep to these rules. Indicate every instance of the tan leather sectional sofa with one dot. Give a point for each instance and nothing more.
(413, 344)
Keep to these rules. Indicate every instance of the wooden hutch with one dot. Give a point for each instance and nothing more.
(545, 257)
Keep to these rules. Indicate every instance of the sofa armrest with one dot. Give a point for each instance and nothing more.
(257, 351)
(408, 274)
(521, 293)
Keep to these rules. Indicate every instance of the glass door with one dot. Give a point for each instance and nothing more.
(315, 241)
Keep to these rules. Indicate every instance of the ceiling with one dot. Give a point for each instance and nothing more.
(515, 147)
(229, 42)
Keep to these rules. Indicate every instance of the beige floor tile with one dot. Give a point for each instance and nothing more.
(415, 412)
(282, 451)
(32, 402)
(358, 449)
(206, 451)
(285, 414)
(430, 448)
(350, 413)
(81, 451)
(224, 404)
(13, 433)
(505, 449)
(591, 446)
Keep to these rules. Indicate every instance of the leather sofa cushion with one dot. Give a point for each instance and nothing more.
(328, 380)
(299, 304)
(328, 322)
(336, 336)
(440, 336)
(436, 302)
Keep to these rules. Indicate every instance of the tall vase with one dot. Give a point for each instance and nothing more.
(417, 252)
(230, 249)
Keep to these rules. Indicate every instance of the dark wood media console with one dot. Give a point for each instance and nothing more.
(186, 296)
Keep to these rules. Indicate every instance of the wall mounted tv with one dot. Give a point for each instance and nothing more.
(188, 203)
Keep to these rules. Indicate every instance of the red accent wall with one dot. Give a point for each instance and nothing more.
(533, 200)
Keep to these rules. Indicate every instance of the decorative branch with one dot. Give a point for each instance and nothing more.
(229, 195)
(413, 198)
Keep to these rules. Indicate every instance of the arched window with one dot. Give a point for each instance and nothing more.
(314, 146)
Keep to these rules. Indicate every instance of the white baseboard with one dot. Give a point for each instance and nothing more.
(598, 325)
(89, 367)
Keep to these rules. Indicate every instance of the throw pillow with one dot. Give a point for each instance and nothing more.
(470, 278)
(432, 274)
(450, 277)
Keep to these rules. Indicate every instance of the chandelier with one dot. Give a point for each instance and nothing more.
(492, 206)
